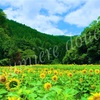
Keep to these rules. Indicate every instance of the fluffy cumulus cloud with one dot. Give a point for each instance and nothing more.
(85, 15)
(45, 15)
(28, 12)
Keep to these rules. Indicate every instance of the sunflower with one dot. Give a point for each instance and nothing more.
(84, 71)
(42, 75)
(60, 73)
(30, 70)
(13, 84)
(46, 69)
(97, 71)
(49, 72)
(51, 69)
(91, 70)
(17, 71)
(13, 98)
(70, 74)
(3, 78)
(47, 86)
(54, 78)
(95, 96)
(55, 72)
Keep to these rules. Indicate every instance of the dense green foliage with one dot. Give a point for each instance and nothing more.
(19, 43)
(50, 82)
(85, 48)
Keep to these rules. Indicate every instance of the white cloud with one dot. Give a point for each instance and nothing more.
(85, 15)
(43, 24)
(28, 12)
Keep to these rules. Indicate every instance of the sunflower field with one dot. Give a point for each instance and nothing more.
(50, 82)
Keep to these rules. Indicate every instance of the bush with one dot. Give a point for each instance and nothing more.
(4, 62)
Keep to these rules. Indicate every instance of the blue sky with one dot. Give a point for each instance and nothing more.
(57, 17)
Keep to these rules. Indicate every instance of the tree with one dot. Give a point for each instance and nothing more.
(2, 18)
(89, 50)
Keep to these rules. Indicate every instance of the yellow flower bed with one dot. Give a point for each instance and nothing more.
(50, 82)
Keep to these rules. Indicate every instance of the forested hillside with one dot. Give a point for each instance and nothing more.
(85, 48)
(19, 42)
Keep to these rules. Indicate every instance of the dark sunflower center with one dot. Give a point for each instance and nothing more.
(13, 84)
(48, 86)
(3, 79)
(97, 98)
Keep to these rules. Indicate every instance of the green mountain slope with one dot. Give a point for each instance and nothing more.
(20, 43)
(86, 47)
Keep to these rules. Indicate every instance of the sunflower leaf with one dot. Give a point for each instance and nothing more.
(3, 91)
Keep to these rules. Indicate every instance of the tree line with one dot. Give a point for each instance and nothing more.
(20, 43)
